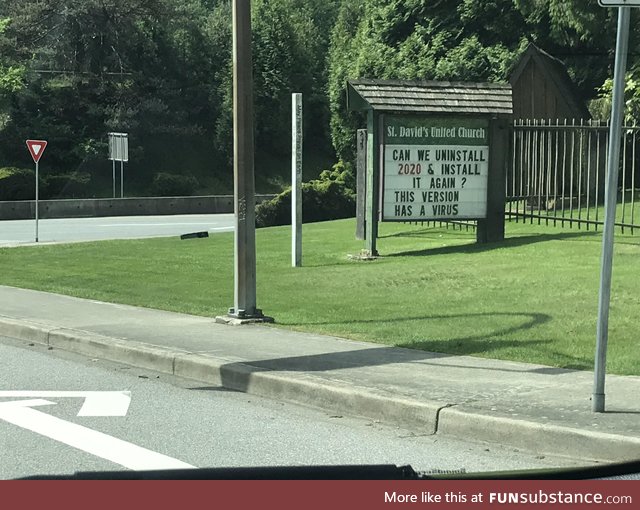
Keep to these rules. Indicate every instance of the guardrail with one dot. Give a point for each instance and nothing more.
(99, 207)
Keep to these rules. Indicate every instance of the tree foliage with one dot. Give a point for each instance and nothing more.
(459, 40)
(161, 70)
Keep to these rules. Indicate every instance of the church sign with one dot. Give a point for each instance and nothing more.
(435, 168)
(435, 151)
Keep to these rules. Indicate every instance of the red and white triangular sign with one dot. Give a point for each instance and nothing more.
(36, 148)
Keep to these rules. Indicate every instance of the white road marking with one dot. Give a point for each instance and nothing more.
(96, 403)
(128, 455)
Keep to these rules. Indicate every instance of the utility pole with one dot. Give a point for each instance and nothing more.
(245, 309)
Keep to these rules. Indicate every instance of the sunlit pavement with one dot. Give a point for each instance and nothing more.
(20, 232)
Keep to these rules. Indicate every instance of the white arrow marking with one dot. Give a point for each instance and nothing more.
(96, 403)
(19, 412)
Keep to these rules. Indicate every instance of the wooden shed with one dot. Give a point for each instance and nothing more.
(558, 156)
(543, 89)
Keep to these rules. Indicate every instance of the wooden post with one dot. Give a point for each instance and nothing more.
(373, 170)
(361, 185)
(492, 229)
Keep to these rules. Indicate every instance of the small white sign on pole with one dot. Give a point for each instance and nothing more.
(119, 146)
(118, 151)
(619, 3)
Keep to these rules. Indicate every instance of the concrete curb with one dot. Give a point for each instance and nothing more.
(423, 417)
(464, 421)
(298, 388)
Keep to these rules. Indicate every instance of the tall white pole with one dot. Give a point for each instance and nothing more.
(296, 180)
(611, 196)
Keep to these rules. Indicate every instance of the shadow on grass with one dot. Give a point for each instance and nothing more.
(535, 319)
(430, 233)
(478, 248)
(238, 375)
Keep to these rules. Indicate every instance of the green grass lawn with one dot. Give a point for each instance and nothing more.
(532, 298)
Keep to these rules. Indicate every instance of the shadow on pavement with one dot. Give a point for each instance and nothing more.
(238, 375)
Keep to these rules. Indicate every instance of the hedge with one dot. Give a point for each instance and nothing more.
(174, 185)
(330, 197)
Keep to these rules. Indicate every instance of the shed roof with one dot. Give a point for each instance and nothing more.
(555, 71)
(430, 96)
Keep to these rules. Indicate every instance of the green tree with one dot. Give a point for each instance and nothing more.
(141, 66)
(416, 39)
(11, 75)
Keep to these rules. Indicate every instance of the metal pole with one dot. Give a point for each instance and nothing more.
(243, 162)
(37, 194)
(114, 178)
(121, 179)
(622, 45)
(296, 180)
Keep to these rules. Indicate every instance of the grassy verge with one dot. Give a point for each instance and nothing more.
(531, 298)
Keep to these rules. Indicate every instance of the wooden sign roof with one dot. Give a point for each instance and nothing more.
(430, 97)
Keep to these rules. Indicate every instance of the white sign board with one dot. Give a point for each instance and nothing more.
(619, 3)
(119, 146)
(435, 168)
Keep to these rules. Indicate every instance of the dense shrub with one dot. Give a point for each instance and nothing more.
(17, 184)
(74, 185)
(330, 197)
(174, 185)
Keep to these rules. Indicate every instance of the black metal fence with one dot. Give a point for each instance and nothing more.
(558, 174)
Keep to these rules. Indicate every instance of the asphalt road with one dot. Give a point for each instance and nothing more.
(18, 232)
(149, 420)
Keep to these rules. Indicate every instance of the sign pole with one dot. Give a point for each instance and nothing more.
(118, 151)
(37, 197)
(36, 149)
(617, 111)
(296, 181)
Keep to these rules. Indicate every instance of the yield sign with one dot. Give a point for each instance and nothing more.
(36, 148)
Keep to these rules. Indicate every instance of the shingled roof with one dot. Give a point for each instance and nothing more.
(429, 97)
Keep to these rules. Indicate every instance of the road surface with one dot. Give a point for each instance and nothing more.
(17, 232)
(137, 419)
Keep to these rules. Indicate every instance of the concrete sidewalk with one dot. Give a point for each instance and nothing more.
(538, 408)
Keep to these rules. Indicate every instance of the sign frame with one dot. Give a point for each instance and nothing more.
(118, 151)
